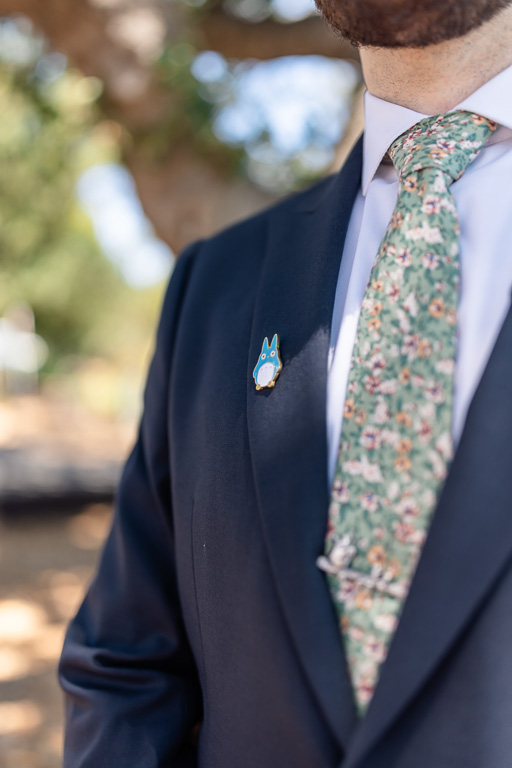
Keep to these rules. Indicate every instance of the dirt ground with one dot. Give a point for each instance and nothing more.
(45, 563)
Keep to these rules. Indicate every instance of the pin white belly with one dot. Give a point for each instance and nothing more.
(265, 374)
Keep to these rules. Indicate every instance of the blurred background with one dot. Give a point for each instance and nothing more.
(128, 128)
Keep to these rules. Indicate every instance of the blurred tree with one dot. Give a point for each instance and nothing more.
(141, 51)
(49, 256)
(171, 88)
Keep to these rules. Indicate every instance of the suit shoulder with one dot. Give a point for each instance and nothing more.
(246, 239)
(255, 226)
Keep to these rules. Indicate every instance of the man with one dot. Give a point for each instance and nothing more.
(310, 563)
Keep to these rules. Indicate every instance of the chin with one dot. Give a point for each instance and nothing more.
(407, 23)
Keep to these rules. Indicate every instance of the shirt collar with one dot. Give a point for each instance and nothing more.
(385, 122)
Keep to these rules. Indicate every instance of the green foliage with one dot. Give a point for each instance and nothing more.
(190, 117)
(48, 253)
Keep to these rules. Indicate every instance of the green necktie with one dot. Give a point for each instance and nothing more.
(396, 443)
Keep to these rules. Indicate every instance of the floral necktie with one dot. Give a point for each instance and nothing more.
(396, 444)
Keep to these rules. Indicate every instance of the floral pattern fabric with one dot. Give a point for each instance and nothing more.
(396, 443)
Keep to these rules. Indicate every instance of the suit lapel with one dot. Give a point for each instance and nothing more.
(287, 427)
(468, 545)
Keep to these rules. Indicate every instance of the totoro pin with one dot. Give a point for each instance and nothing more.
(269, 364)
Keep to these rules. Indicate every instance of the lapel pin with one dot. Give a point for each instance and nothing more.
(269, 364)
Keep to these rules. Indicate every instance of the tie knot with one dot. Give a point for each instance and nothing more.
(448, 142)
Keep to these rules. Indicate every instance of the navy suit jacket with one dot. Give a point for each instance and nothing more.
(208, 637)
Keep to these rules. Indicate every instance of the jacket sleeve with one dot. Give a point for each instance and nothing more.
(130, 682)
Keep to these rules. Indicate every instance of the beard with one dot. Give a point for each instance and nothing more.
(406, 23)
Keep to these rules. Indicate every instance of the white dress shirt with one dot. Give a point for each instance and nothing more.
(483, 196)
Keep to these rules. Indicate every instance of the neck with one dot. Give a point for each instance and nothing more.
(436, 78)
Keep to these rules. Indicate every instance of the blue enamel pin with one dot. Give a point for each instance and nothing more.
(269, 364)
